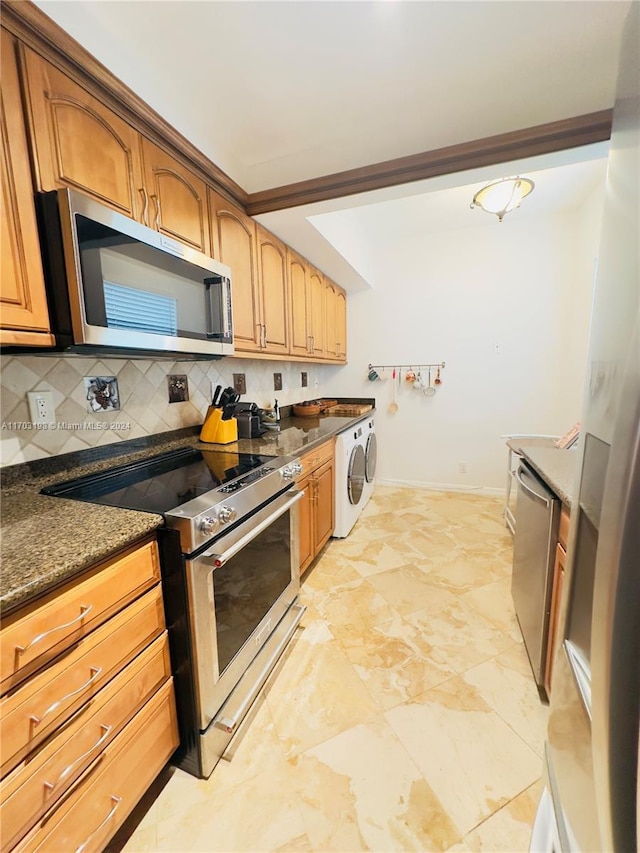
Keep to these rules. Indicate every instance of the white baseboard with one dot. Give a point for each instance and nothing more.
(488, 491)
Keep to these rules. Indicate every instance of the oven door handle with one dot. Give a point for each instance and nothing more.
(279, 507)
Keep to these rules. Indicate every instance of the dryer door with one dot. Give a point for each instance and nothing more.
(356, 475)
(371, 455)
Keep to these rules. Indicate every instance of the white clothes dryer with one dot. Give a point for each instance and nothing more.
(370, 459)
(350, 477)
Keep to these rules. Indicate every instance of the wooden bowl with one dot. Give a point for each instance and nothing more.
(307, 411)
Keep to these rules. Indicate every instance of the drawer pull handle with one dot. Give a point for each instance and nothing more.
(84, 610)
(95, 670)
(51, 786)
(116, 802)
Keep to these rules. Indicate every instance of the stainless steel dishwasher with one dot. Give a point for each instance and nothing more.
(537, 519)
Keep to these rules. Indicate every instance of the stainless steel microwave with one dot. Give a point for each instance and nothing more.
(116, 286)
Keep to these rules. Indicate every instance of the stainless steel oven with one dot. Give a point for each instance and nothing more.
(230, 559)
(239, 590)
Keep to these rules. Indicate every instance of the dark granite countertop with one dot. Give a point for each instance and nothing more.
(558, 468)
(48, 540)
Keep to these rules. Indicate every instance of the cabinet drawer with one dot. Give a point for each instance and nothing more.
(319, 455)
(36, 784)
(33, 710)
(96, 808)
(34, 636)
(563, 532)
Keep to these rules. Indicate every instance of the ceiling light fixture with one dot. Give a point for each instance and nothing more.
(500, 197)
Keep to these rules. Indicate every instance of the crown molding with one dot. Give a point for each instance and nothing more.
(489, 151)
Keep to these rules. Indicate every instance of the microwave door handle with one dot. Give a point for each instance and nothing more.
(218, 559)
(222, 288)
(225, 300)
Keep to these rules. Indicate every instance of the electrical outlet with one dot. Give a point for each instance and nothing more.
(41, 407)
(462, 467)
(277, 382)
(305, 380)
(239, 383)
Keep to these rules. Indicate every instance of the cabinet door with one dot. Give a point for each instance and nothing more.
(316, 317)
(177, 199)
(341, 323)
(234, 242)
(331, 316)
(305, 522)
(324, 505)
(22, 295)
(272, 268)
(80, 143)
(298, 283)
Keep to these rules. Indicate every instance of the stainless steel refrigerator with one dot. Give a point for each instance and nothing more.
(591, 799)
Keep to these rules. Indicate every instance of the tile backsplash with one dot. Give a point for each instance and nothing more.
(143, 393)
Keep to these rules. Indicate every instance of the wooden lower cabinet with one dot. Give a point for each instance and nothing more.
(317, 508)
(556, 597)
(98, 806)
(85, 734)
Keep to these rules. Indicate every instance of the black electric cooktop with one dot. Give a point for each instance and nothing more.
(165, 482)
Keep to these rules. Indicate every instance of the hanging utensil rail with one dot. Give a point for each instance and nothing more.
(411, 366)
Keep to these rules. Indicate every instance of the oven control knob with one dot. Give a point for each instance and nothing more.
(291, 471)
(208, 524)
(226, 513)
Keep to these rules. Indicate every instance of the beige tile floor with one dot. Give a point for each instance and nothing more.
(405, 717)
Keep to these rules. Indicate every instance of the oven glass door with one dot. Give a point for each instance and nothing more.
(245, 588)
(239, 589)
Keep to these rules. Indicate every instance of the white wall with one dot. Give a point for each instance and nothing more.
(451, 296)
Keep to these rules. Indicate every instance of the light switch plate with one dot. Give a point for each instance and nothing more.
(239, 383)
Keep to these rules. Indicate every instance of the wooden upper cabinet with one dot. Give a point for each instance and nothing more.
(316, 314)
(24, 317)
(274, 294)
(174, 199)
(331, 316)
(335, 321)
(298, 285)
(233, 239)
(80, 143)
(341, 323)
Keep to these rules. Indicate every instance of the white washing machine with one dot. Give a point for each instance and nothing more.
(352, 488)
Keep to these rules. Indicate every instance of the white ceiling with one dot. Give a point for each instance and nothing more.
(275, 92)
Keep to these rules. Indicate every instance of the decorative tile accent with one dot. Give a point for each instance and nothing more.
(102, 394)
(178, 387)
(142, 387)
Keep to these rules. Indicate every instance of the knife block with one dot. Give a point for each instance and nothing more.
(227, 431)
(215, 430)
